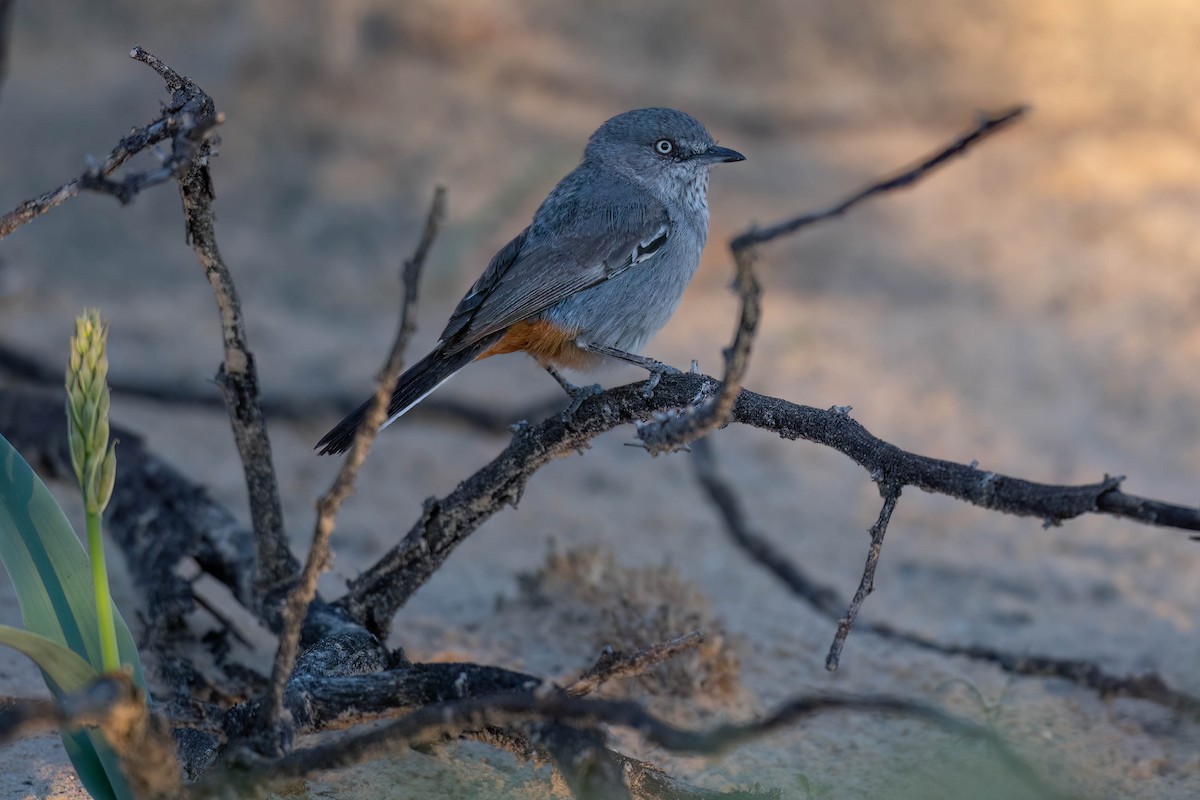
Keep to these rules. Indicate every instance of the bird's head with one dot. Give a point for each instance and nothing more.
(658, 146)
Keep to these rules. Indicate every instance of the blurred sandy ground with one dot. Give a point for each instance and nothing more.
(1031, 307)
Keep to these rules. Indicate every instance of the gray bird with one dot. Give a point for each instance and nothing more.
(599, 270)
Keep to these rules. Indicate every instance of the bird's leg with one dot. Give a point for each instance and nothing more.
(656, 368)
(577, 393)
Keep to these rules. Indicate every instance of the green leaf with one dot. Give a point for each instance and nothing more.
(65, 671)
(49, 566)
(52, 577)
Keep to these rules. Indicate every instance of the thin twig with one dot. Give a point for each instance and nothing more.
(114, 705)
(891, 494)
(36, 206)
(825, 600)
(643, 780)
(584, 763)
(238, 375)
(302, 594)
(726, 501)
(444, 410)
(187, 121)
(90, 706)
(433, 722)
(986, 125)
(675, 429)
(1145, 686)
(613, 665)
(377, 594)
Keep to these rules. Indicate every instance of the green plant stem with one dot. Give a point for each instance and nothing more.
(108, 631)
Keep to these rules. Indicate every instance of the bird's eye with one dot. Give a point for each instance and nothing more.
(664, 147)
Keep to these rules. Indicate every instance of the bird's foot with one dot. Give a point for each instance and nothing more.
(579, 394)
(656, 369)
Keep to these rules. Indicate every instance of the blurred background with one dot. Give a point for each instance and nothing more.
(1032, 307)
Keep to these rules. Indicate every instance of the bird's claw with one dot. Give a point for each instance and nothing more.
(656, 370)
(579, 394)
(651, 382)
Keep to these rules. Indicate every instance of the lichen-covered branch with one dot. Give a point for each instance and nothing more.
(380, 591)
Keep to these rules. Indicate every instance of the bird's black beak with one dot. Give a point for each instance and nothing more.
(718, 155)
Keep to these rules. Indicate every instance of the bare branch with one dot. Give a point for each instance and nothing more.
(612, 664)
(380, 591)
(238, 375)
(186, 522)
(643, 780)
(35, 207)
(1145, 686)
(986, 125)
(187, 121)
(673, 430)
(89, 707)
(445, 410)
(114, 705)
(723, 497)
(432, 722)
(585, 764)
(825, 600)
(322, 701)
(302, 594)
(891, 494)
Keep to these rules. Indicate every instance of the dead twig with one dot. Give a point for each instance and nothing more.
(433, 722)
(1146, 686)
(116, 707)
(825, 600)
(866, 585)
(238, 375)
(89, 707)
(613, 664)
(445, 410)
(381, 590)
(725, 499)
(643, 780)
(675, 429)
(187, 122)
(986, 124)
(302, 594)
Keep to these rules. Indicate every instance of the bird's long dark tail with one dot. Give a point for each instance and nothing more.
(412, 387)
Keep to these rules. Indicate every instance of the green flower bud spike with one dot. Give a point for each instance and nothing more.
(93, 457)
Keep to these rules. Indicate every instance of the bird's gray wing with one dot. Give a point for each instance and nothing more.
(577, 241)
